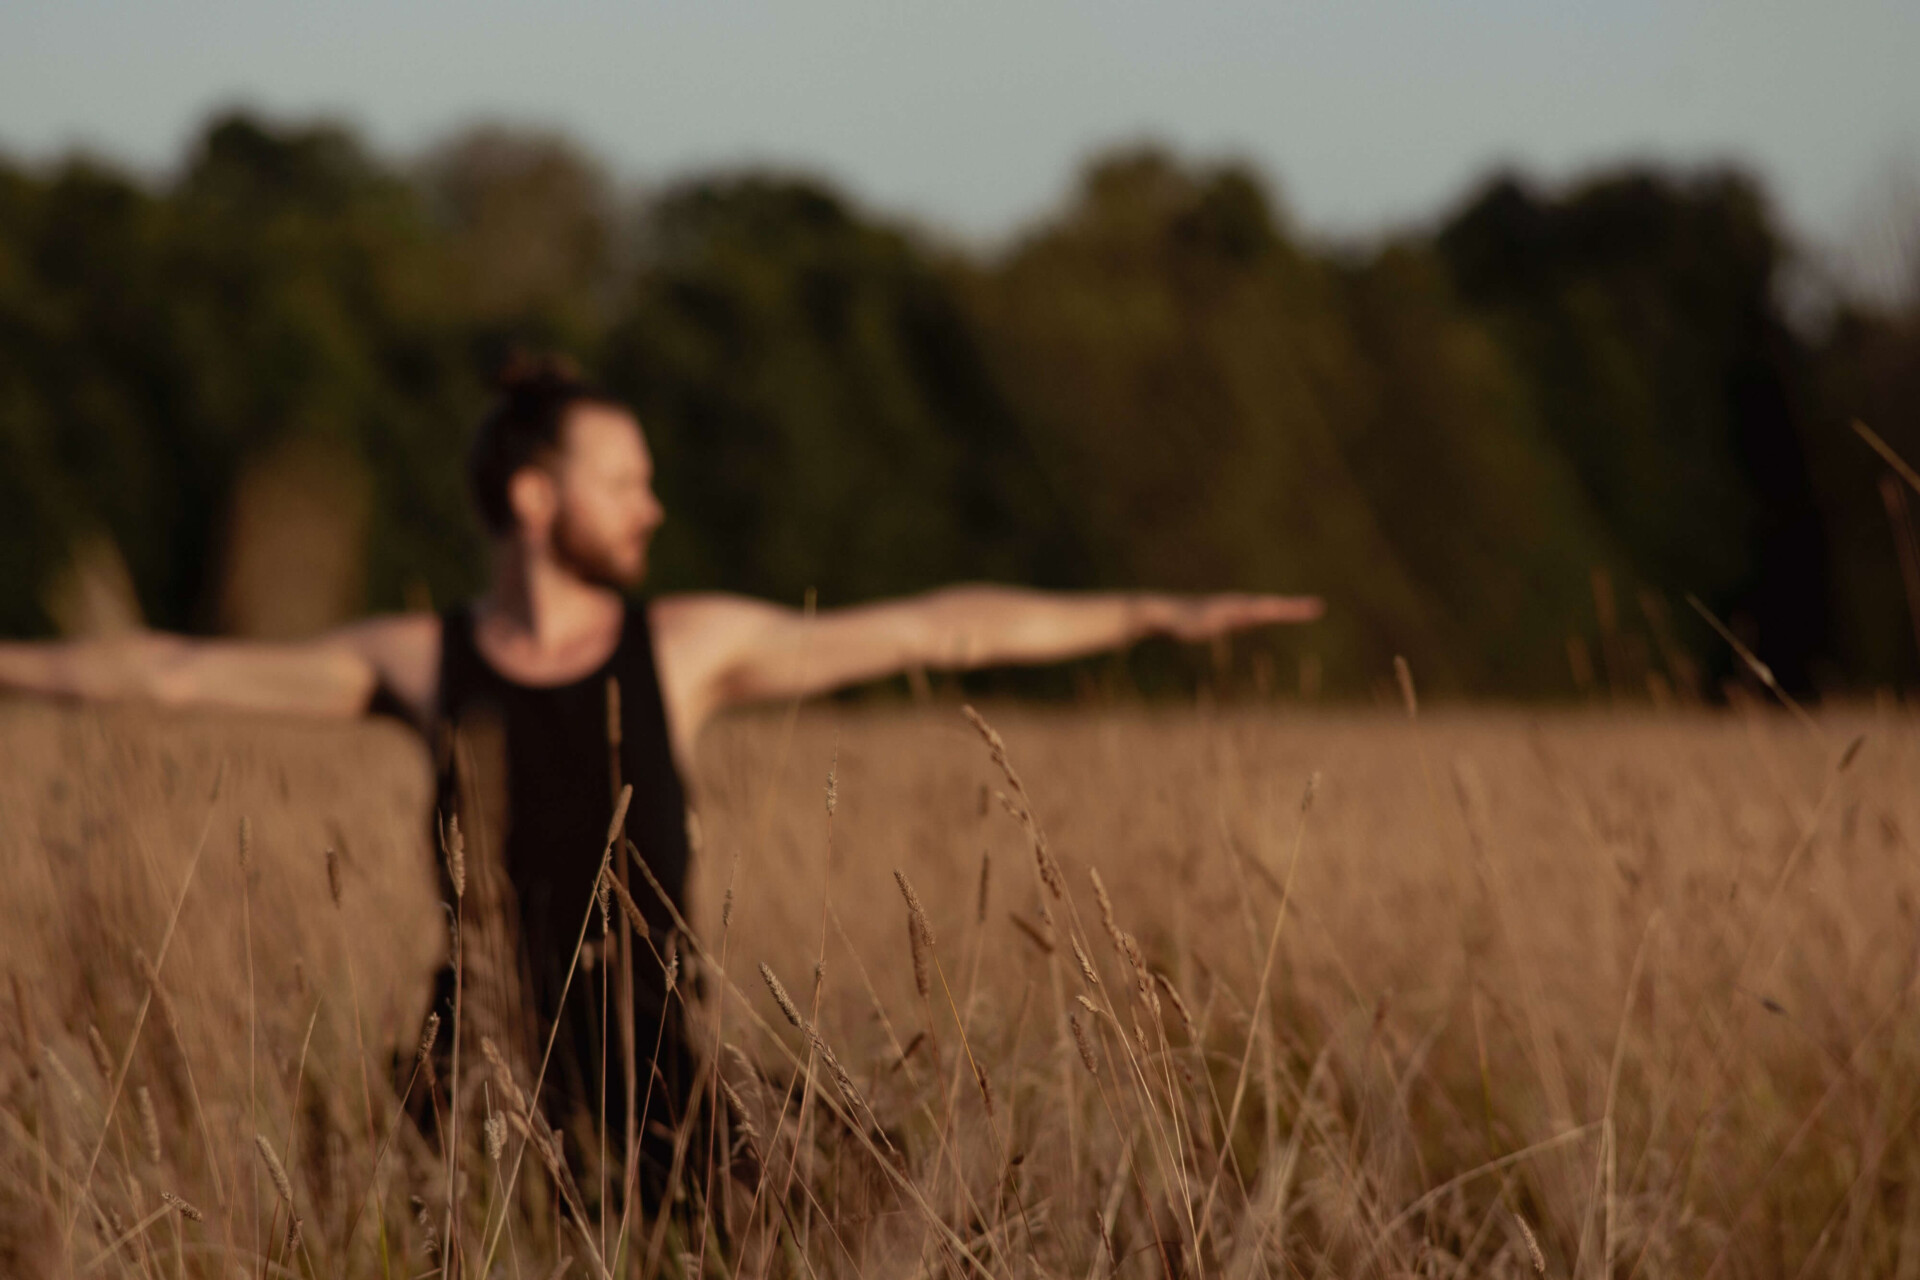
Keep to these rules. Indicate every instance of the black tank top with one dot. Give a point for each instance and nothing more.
(547, 762)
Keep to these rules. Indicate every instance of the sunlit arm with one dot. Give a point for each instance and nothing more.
(333, 675)
(739, 651)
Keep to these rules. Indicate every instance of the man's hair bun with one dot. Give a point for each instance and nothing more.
(525, 370)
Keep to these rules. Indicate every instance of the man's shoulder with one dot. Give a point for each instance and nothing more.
(702, 617)
(686, 609)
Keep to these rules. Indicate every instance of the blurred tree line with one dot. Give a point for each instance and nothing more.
(1507, 446)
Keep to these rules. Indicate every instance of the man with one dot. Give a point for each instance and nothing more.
(552, 690)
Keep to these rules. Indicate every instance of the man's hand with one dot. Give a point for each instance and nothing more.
(1197, 618)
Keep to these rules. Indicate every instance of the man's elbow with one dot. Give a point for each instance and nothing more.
(118, 669)
(748, 683)
(169, 677)
(947, 632)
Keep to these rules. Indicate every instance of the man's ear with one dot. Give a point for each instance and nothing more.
(533, 498)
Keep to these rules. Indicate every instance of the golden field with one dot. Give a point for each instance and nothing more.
(1581, 993)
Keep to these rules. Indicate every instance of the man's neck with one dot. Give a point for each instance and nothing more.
(535, 602)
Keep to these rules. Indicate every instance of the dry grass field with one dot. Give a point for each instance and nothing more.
(1582, 994)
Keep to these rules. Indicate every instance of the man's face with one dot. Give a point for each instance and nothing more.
(606, 511)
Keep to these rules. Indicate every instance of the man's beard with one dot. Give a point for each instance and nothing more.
(590, 560)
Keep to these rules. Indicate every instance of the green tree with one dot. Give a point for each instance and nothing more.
(1230, 410)
(820, 405)
(285, 287)
(1641, 309)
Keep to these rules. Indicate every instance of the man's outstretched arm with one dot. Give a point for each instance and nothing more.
(331, 675)
(719, 651)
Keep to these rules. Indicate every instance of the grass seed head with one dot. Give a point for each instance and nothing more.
(1018, 804)
(742, 1119)
(1129, 947)
(915, 911)
(102, 1060)
(986, 1088)
(1084, 1045)
(424, 1219)
(781, 998)
(1179, 1005)
(1086, 965)
(181, 1207)
(1032, 933)
(995, 746)
(619, 821)
(1107, 920)
(456, 848)
(429, 1032)
(1049, 869)
(66, 1078)
(275, 1170)
(986, 866)
(246, 844)
(840, 1077)
(922, 970)
(628, 907)
(1533, 1246)
(503, 1077)
(919, 936)
(149, 1122)
(496, 1133)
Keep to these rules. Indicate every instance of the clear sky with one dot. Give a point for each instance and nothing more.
(972, 115)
